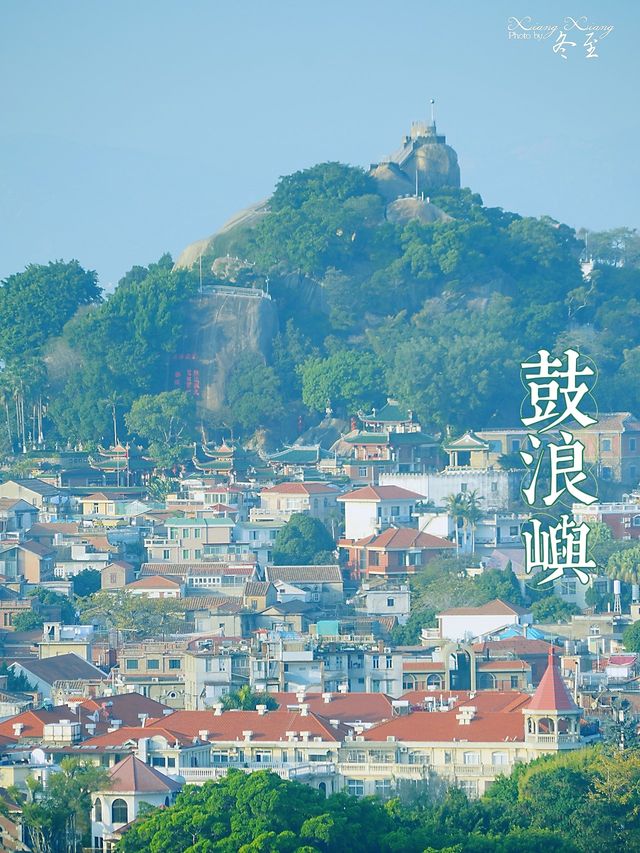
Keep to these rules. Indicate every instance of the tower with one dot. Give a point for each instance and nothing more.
(552, 718)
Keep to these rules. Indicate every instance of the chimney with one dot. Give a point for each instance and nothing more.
(261, 709)
(300, 696)
(203, 734)
(217, 709)
(305, 736)
(247, 735)
(17, 729)
(326, 698)
(91, 729)
(142, 751)
(343, 688)
(143, 719)
(115, 725)
(304, 709)
(167, 712)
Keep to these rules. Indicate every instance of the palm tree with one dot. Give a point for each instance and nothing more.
(473, 514)
(456, 507)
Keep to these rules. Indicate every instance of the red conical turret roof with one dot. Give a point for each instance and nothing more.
(552, 694)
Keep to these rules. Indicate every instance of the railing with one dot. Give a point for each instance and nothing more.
(383, 768)
(199, 775)
(552, 739)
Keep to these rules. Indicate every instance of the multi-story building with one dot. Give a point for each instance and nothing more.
(286, 499)
(372, 509)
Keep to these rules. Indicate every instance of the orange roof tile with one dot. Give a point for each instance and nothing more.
(380, 493)
(230, 725)
(552, 694)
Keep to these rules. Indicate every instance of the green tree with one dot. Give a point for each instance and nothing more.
(623, 565)
(253, 394)
(301, 540)
(166, 423)
(36, 304)
(86, 582)
(631, 637)
(136, 616)
(552, 608)
(245, 699)
(348, 380)
(57, 818)
(44, 598)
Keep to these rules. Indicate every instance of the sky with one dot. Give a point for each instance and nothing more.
(130, 128)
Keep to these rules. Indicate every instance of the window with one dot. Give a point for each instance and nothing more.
(356, 756)
(185, 532)
(263, 756)
(186, 554)
(513, 530)
(362, 471)
(494, 486)
(391, 602)
(198, 553)
(495, 446)
(113, 578)
(174, 663)
(499, 758)
(383, 787)
(119, 812)
(395, 510)
(355, 787)
(568, 588)
(515, 445)
(97, 810)
(375, 662)
(471, 758)
(514, 682)
(606, 444)
(636, 520)
(154, 663)
(388, 662)
(464, 487)
(197, 533)
(131, 663)
(632, 444)
(607, 472)
(165, 554)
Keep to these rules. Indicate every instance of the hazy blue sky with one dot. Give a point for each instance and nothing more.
(133, 127)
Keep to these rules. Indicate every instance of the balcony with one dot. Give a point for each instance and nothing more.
(384, 769)
(200, 775)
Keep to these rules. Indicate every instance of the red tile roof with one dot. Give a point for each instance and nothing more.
(400, 538)
(380, 493)
(507, 701)
(436, 726)
(230, 725)
(153, 582)
(301, 489)
(513, 645)
(345, 707)
(497, 607)
(552, 694)
(135, 733)
(134, 776)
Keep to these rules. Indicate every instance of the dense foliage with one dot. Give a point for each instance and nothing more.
(437, 315)
(567, 803)
(303, 541)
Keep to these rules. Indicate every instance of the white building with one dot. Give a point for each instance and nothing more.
(370, 510)
(466, 623)
(132, 784)
(499, 489)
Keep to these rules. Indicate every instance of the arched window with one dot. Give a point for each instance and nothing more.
(119, 812)
(546, 726)
(97, 811)
(434, 680)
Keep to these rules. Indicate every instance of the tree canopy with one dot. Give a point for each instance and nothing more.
(303, 540)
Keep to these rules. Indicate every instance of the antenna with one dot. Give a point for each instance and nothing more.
(433, 112)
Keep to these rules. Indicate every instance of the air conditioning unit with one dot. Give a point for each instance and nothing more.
(155, 679)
